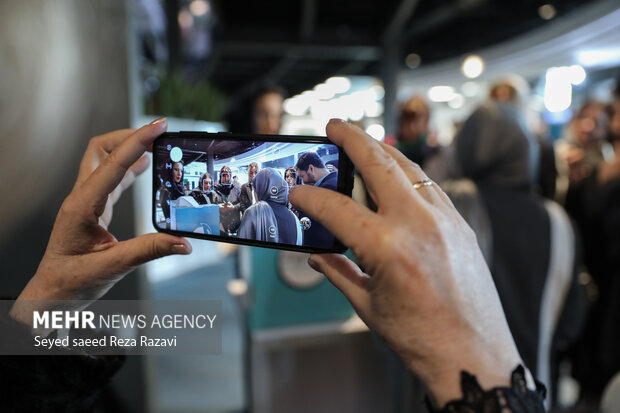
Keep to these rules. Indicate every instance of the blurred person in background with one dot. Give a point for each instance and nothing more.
(529, 244)
(259, 113)
(247, 198)
(593, 200)
(268, 110)
(583, 148)
(511, 89)
(613, 113)
(172, 185)
(414, 139)
(205, 194)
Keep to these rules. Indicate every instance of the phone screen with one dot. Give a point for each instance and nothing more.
(235, 188)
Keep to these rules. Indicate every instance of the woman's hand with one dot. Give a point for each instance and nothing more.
(427, 290)
(83, 260)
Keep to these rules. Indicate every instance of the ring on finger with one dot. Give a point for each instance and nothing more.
(424, 182)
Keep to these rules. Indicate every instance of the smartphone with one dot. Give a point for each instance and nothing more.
(234, 188)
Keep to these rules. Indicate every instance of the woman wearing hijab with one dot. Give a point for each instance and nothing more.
(532, 246)
(270, 219)
(172, 187)
(230, 215)
(205, 194)
(291, 178)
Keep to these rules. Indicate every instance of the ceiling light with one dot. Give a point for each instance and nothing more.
(607, 57)
(378, 92)
(473, 66)
(376, 131)
(324, 91)
(199, 7)
(413, 61)
(441, 93)
(558, 89)
(577, 74)
(470, 89)
(339, 84)
(373, 109)
(547, 11)
(457, 101)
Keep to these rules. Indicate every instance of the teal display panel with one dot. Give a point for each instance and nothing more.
(277, 304)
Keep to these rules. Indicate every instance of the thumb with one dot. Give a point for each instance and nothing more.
(148, 247)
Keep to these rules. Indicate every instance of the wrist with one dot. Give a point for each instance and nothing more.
(443, 377)
(36, 296)
(516, 397)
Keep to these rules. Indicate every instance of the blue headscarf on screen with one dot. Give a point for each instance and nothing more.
(259, 221)
(270, 186)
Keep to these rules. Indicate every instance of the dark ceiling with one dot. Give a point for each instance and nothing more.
(299, 43)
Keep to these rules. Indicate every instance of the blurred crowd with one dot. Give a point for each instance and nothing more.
(547, 217)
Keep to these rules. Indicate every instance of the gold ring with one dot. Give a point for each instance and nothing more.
(420, 184)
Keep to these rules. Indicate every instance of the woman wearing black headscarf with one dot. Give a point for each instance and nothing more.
(532, 244)
(204, 194)
(270, 219)
(172, 185)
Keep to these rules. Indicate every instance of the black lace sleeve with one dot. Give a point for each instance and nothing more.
(68, 383)
(514, 399)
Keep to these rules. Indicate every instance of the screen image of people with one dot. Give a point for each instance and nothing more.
(240, 188)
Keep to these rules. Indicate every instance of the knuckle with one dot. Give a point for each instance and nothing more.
(376, 157)
(95, 141)
(112, 161)
(156, 250)
(70, 206)
(417, 168)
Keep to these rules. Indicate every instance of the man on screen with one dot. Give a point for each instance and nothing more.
(313, 171)
(247, 197)
(230, 218)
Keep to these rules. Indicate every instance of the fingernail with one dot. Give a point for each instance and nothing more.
(336, 120)
(181, 249)
(314, 264)
(158, 121)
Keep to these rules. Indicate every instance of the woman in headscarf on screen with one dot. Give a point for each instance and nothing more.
(205, 194)
(270, 219)
(172, 185)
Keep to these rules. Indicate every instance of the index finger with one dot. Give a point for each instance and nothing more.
(382, 174)
(350, 221)
(109, 174)
(100, 146)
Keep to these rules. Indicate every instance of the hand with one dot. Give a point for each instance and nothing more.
(577, 169)
(427, 289)
(83, 260)
(611, 169)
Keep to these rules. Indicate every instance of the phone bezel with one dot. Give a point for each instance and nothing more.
(345, 186)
